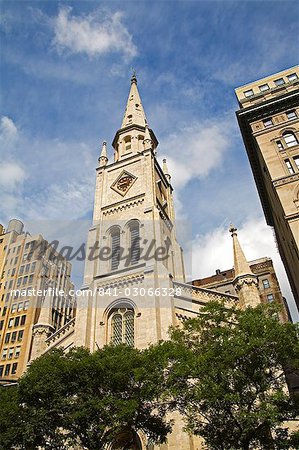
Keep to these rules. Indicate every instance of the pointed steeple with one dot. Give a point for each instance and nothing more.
(240, 263)
(103, 156)
(134, 113)
(245, 282)
(134, 136)
(165, 170)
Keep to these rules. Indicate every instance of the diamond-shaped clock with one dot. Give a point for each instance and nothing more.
(123, 182)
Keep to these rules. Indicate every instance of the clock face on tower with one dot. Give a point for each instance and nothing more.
(123, 182)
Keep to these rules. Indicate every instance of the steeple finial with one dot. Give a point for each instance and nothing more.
(134, 77)
(165, 170)
(103, 156)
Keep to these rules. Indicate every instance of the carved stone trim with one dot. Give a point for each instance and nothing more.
(286, 180)
(202, 294)
(123, 281)
(123, 207)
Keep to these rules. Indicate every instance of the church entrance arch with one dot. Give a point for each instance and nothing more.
(126, 440)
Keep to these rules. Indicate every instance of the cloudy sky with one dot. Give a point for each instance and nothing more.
(65, 78)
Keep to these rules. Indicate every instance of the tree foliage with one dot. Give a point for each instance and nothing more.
(224, 371)
(86, 399)
(226, 376)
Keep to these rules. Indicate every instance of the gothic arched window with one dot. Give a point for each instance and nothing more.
(115, 248)
(290, 139)
(123, 327)
(134, 242)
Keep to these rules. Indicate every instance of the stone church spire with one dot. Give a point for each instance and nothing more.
(245, 282)
(134, 113)
(134, 136)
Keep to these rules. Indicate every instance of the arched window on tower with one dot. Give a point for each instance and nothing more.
(122, 326)
(290, 139)
(134, 244)
(115, 248)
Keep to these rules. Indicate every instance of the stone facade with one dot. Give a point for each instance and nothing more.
(269, 122)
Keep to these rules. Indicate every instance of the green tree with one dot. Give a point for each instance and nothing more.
(87, 399)
(226, 376)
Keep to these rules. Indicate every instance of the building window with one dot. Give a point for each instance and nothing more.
(279, 81)
(292, 77)
(13, 307)
(116, 323)
(30, 279)
(290, 139)
(23, 320)
(279, 145)
(1, 324)
(17, 351)
(134, 243)
(122, 325)
(268, 123)
(10, 323)
(289, 166)
(26, 304)
(296, 161)
(14, 368)
(20, 306)
(264, 87)
(33, 267)
(249, 93)
(270, 298)
(291, 115)
(21, 270)
(25, 280)
(7, 370)
(27, 268)
(14, 336)
(4, 353)
(7, 338)
(1, 370)
(115, 249)
(17, 321)
(20, 335)
(10, 353)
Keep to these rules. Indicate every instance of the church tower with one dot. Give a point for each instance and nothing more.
(132, 252)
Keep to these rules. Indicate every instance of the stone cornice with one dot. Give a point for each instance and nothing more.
(123, 205)
(286, 180)
(122, 281)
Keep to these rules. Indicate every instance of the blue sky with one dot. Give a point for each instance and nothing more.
(65, 74)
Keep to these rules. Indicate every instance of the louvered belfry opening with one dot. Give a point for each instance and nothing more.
(115, 249)
(135, 243)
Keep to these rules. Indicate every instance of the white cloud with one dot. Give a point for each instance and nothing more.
(92, 35)
(11, 176)
(195, 150)
(213, 251)
(8, 130)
